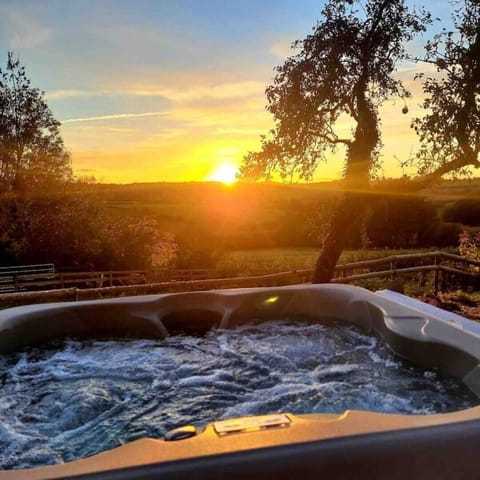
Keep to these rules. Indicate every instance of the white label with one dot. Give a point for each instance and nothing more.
(251, 423)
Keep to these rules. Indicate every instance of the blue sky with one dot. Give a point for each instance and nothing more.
(167, 90)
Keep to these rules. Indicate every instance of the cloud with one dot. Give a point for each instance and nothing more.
(239, 131)
(116, 116)
(170, 133)
(64, 94)
(222, 91)
(23, 28)
(282, 49)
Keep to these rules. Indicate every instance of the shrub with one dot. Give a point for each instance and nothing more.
(465, 211)
(469, 247)
(78, 232)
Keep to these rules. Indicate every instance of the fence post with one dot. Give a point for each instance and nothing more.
(15, 283)
(110, 278)
(62, 281)
(436, 274)
(393, 266)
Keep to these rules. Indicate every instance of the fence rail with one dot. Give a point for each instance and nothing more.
(11, 278)
(27, 269)
(441, 264)
(30, 279)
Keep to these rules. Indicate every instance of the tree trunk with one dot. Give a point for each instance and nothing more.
(345, 223)
(350, 212)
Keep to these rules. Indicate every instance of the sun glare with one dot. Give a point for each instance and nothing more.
(225, 173)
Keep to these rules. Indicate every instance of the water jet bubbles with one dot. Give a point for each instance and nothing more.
(86, 397)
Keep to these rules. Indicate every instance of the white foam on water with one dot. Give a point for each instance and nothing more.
(76, 398)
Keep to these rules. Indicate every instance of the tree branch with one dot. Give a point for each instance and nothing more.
(376, 20)
(425, 181)
(335, 141)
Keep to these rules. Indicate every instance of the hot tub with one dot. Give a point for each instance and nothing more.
(350, 444)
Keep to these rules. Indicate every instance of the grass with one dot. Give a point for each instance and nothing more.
(463, 303)
(245, 262)
(286, 259)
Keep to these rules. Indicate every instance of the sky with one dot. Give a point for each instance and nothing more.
(173, 90)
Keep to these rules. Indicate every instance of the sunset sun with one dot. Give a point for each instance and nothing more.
(224, 173)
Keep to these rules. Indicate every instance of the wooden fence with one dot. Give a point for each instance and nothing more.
(16, 279)
(11, 276)
(439, 264)
(22, 281)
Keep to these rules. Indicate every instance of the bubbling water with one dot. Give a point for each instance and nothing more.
(73, 399)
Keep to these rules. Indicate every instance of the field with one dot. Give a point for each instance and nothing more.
(287, 259)
(212, 216)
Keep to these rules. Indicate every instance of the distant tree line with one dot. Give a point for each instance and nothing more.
(274, 215)
(465, 211)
